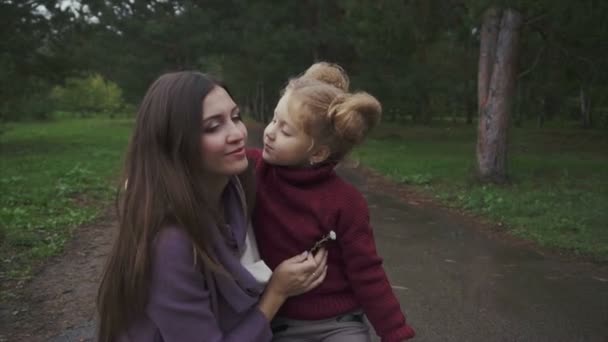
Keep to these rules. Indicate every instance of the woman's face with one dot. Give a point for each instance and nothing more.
(285, 143)
(224, 135)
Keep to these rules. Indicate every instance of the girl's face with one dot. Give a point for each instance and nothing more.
(224, 135)
(285, 143)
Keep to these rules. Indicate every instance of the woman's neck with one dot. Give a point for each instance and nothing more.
(216, 186)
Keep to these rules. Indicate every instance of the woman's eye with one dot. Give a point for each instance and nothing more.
(211, 129)
(286, 134)
(211, 126)
(237, 117)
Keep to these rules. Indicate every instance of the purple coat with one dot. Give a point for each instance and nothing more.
(180, 304)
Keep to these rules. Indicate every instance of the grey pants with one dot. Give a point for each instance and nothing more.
(349, 327)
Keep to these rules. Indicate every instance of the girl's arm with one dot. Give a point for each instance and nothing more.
(366, 274)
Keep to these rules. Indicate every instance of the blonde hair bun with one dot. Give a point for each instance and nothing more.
(329, 73)
(354, 115)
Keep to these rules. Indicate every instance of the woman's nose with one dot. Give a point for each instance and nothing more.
(237, 133)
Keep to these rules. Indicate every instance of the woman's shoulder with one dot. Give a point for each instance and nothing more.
(173, 242)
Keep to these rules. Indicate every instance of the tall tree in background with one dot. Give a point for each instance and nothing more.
(33, 36)
(418, 57)
(498, 60)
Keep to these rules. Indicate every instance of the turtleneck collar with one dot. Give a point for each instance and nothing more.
(305, 175)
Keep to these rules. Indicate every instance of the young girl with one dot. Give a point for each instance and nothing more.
(301, 199)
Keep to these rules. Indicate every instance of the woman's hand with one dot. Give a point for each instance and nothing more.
(299, 274)
(292, 277)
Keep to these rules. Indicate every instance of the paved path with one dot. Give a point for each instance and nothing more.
(457, 284)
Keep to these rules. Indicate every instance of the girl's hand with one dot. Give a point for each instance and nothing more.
(299, 274)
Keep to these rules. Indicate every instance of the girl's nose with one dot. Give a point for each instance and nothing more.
(269, 133)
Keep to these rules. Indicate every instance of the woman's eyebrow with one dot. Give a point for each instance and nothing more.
(214, 116)
(232, 111)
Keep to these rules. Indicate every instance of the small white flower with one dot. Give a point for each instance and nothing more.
(329, 236)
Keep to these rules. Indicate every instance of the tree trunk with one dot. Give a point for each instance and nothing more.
(496, 96)
(312, 25)
(585, 101)
(257, 106)
(264, 114)
(487, 52)
(519, 105)
(543, 111)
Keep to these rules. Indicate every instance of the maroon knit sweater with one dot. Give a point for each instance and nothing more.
(297, 206)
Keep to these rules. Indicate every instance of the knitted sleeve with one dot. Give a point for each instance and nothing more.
(254, 155)
(365, 272)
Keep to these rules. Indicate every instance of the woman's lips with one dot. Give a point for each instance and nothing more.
(239, 152)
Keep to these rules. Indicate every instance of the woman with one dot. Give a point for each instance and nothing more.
(184, 266)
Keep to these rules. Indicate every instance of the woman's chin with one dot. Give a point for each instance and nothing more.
(236, 167)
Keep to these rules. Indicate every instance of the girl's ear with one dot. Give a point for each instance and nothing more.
(320, 154)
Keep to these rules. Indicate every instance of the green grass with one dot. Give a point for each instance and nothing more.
(54, 177)
(558, 196)
(57, 175)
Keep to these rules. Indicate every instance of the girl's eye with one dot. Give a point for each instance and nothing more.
(286, 134)
(237, 117)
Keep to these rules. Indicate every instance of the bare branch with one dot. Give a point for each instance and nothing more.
(534, 19)
(567, 53)
(529, 70)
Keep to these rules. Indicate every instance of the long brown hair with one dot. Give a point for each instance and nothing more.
(161, 184)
